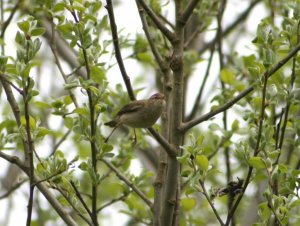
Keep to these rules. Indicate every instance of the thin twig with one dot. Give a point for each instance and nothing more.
(13, 188)
(201, 26)
(7, 22)
(64, 137)
(160, 62)
(29, 142)
(231, 27)
(12, 85)
(121, 198)
(54, 51)
(210, 202)
(93, 122)
(256, 151)
(118, 54)
(188, 11)
(199, 96)
(163, 142)
(188, 125)
(81, 199)
(169, 35)
(70, 201)
(65, 216)
(130, 184)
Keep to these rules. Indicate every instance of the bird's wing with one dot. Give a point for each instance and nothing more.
(131, 107)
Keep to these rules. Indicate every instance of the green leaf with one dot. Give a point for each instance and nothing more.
(3, 62)
(41, 104)
(67, 100)
(24, 26)
(107, 148)
(41, 167)
(264, 211)
(295, 203)
(235, 125)
(186, 173)
(200, 140)
(59, 154)
(59, 7)
(32, 122)
(81, 111)
(38, 31)
(43, 132)
(145, 58)
(268, 57)
(214, 127)
(249, 60)
(57, 104)
(71, 85)
(83, 166)
(227, 76)
(34, 92)
(202, 162)
(257, 101)
(188, 203)
(68, 122)
(19, 38)
(257, 163)
(97, 74)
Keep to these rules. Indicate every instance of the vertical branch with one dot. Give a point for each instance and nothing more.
(28, 140)
(92, 142)
(199, 95)
(92, 124)
(256, 151)
(170, 207)
(287, 109)
(29, 153)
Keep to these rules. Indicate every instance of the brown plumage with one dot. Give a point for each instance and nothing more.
(139, 113)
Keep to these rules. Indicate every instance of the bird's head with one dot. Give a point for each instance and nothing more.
(157, 96)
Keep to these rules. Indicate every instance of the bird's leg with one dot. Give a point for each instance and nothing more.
(134, 138)
(106, 140)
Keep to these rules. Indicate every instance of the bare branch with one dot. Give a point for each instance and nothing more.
(13, 160)
(199, 96)
(121, 198)
(13, 188)
(71, 202)
(126, 181)
(119, 58)
(210, 203)
(160, 62)
(188, 11)
(7, 22)
(81, 199)
(227, 30)
(163, 142)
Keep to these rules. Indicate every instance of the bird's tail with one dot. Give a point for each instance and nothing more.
(111, 123)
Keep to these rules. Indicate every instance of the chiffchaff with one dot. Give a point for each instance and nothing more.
(139, 113)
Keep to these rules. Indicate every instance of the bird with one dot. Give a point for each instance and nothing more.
(139, 114)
